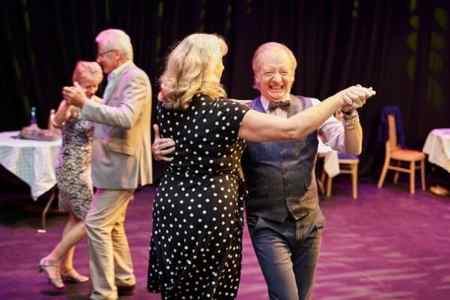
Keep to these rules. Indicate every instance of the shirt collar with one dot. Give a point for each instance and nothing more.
(118, 70)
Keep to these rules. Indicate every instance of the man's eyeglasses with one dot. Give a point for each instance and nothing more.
(101, 54)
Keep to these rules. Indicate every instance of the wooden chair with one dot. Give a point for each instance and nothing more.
(348, 164)
(396, 156)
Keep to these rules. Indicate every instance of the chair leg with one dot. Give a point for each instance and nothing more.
(323, 177)
(321, 182)
(383, 173)
(422, 174)
(412, 177)
(397, 173)
(329, 184)
(355, 181)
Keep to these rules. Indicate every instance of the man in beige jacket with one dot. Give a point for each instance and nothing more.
(121, 160)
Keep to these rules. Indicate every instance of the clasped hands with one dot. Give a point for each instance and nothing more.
(74, 98)
(74, 95)
(355, 97)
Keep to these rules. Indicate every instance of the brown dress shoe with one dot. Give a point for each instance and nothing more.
(127, 290)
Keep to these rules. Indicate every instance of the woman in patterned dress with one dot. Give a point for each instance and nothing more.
(74, 177)
(198, 211)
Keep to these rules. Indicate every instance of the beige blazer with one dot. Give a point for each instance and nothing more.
(121, 149)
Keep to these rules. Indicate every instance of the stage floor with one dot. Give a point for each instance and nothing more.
(385, 245)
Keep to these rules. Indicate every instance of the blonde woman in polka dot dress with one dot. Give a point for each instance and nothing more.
(195, 248)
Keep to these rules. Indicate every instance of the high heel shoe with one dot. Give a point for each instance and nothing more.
(51, 268)
(73, 276)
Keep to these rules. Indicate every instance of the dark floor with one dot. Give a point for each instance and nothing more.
(385, 245)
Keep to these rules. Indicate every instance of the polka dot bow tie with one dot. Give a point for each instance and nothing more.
(284, 105)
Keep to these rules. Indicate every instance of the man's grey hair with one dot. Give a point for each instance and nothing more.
(116, 39)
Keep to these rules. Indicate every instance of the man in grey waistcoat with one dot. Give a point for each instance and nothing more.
(283, 214)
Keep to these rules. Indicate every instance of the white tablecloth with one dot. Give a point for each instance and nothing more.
(437, 146)
(32, 161)
(331, 160)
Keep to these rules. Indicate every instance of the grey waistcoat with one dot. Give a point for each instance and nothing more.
(280, 176)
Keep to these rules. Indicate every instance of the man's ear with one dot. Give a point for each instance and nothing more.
(120, 56)
(256, 82)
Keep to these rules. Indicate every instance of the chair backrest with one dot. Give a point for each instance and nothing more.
(383, 128)
(392, 132)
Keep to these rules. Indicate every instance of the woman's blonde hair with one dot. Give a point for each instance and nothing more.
(87, 70)
(193, 67)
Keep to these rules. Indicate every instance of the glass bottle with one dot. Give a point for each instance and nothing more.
(51, 118)
(33, 120)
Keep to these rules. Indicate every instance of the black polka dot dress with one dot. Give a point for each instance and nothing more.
(195, 248)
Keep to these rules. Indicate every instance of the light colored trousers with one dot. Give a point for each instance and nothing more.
(109, 254)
